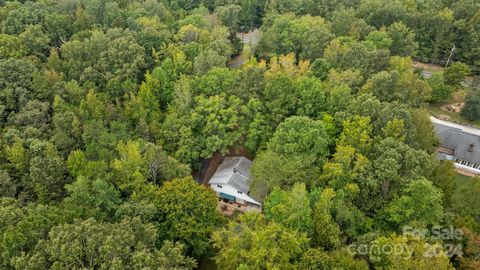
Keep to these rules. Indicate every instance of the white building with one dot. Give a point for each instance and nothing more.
(232, 181)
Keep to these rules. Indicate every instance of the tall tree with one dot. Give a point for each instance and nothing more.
(403, 40)
(327, 232)
(440, 90)
(91, 198)
(415, 254)
(129, 244)
(420, 205)
(306, 36)
(295, 153)
(254, 243)
(471, 109)
(455, 74)
(315, 259)
(187, 214)
(290, 208)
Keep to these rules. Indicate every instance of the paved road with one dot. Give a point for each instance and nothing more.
(237, 61)
(252, 37)
(468, 129)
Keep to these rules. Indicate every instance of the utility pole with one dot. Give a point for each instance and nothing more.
(450, 56)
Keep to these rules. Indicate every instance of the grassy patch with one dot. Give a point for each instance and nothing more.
(462, 182)
(429, 67)
(433, 69)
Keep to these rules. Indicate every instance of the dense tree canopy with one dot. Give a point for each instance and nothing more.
(113, 114)
(273, 245)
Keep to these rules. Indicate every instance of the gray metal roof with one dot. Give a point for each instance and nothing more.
(460, 141)
(234, 171)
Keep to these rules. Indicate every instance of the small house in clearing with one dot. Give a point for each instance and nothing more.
(231, 181)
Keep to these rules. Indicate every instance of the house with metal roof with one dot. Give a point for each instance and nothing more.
(458, 143)
(231, 181)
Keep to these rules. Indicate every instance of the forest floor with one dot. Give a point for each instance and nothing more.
(207, 264)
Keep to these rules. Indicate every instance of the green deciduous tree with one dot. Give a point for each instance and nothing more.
(35, 41)
(15, 82)
(207, 60)
(108, 60)
(78, 165)
(153, 33)
(345, 53)
(306, 36)
(320, 68)
(290, 208)
(338, 98)
(8, 188)
(380, 39)
(216, 124)
(299, 136)
(311, 97)
(91, 198)
(187, 214)
(443, 178)
(395, 128)
(162, 167)
(455, 74)
(129, 244)
(279, 97)
(327, 232)
(315, 259)
(440, 90)
(11, 47)
(394, 165)
(403, 40)
(273, 245)
(420, 204)
(414, 254)
(130, 169)
(229, 15)
(40, 169)
(295, 153)
(471, 109)
(22, 227)
(35, 115)
(470, 250)
(144, 113)
(423, 136)
(400, 84)
(357, 133)
(270, 170)
(344, 169)
(215, 82)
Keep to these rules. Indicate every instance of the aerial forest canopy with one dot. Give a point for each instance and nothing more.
(110, 108)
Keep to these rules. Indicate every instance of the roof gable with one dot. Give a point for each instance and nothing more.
(233, 171)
